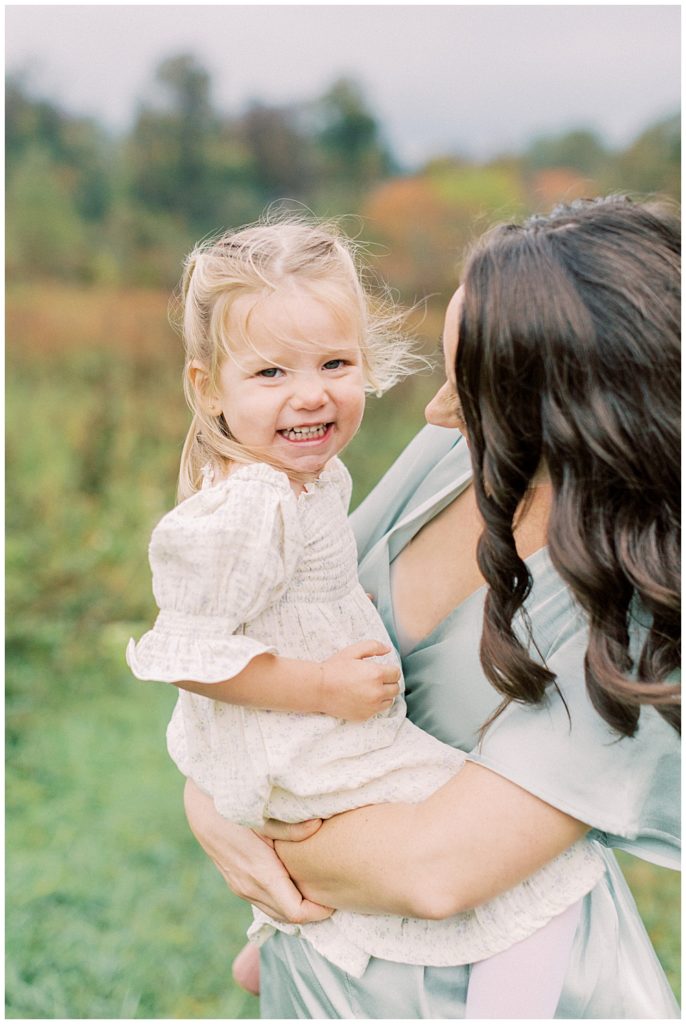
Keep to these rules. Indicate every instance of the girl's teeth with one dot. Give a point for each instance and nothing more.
(300, 433)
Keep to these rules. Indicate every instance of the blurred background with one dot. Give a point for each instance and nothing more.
(131, 132)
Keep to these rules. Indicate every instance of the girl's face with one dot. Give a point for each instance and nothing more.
(444, 408)
(297, 389)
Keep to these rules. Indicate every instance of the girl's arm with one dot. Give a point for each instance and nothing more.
(347, 685)
(476, 837)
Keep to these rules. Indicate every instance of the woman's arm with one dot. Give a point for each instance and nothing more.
(347, 685)
(476, 837)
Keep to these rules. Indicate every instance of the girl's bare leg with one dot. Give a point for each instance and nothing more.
(246, 969)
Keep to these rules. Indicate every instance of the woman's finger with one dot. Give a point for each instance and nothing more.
(305, 913)
(283, 902)
(293, 832)
(310, 912)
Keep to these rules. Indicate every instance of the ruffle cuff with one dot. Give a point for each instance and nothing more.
(198, 648)
(522, 910)
(348, 939)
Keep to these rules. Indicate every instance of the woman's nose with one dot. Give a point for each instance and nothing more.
(442, 410)
(436, 411)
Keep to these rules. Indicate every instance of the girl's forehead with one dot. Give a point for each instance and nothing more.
(291, 317)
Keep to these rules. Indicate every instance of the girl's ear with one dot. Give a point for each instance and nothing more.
(202, 385)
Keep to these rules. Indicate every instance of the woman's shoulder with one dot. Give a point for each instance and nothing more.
(436, 459)
(431, 454)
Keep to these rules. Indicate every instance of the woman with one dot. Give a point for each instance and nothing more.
(562, 345)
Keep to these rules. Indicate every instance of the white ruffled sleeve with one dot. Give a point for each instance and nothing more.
(218, 560)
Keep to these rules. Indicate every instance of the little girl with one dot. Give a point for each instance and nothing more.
(255, 576)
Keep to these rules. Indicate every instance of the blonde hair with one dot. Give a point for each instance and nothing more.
(257, 261)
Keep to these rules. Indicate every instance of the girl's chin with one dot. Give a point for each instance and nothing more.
(312, 464)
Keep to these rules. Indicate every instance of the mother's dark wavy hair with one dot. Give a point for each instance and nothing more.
(569, 353)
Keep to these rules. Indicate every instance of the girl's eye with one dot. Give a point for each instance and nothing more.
(334, 364)
(270, 373)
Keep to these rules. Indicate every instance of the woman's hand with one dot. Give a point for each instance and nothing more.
(247, 861)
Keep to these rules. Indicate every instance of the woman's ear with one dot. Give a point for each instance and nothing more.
(201, 383)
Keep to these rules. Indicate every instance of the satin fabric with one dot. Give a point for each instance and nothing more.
(613, 973)
(627, 790)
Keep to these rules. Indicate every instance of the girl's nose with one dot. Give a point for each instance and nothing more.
(309, 392)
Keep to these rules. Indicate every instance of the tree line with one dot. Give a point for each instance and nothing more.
(84, 205)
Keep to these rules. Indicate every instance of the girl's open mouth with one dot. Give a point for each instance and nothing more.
(301, 435)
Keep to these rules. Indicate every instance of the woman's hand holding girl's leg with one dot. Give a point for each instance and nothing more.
(248, 863)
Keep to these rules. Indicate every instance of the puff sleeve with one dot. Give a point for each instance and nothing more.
(218, 560)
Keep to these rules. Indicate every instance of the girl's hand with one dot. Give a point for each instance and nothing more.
(356, 688)
(247, 861)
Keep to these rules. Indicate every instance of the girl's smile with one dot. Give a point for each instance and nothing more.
(307, 434)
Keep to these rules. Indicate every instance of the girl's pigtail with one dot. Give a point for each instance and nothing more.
(194, 456)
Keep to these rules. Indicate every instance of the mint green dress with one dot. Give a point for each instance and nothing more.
(627, 790)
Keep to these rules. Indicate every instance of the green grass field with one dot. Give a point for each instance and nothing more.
(112, 909)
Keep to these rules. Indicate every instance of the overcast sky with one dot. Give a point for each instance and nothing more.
(454, 78)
